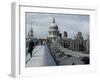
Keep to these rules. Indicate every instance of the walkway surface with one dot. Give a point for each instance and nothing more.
(41, 57)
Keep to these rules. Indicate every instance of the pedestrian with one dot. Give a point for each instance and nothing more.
(31, 46)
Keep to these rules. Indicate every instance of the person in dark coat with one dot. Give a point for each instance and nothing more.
(31, 46)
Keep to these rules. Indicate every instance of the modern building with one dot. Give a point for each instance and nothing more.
(88, 44)
(65, 34)
(76, 44)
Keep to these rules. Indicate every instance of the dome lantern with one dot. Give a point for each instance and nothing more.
(53, 20)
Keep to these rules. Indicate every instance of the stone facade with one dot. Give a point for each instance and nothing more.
(53, 31)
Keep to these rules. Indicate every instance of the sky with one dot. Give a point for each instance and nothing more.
(71, 23)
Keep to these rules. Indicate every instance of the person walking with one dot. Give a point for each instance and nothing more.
(31, 47)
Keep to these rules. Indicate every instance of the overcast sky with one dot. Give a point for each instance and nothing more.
(70, 23)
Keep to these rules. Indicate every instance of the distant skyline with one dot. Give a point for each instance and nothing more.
(70, 23)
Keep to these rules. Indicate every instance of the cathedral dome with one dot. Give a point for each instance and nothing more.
(53, 31)
(53, 25)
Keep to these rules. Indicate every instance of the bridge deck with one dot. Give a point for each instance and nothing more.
(41, 57)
